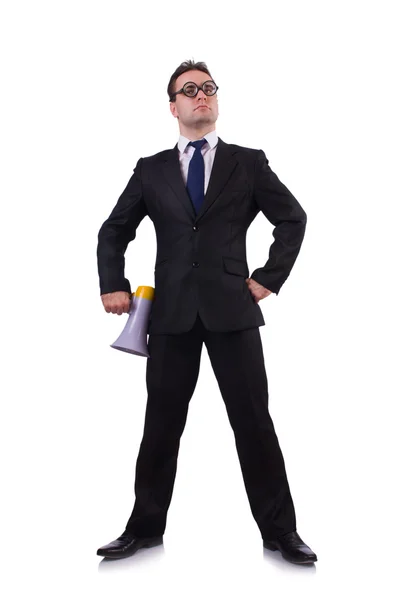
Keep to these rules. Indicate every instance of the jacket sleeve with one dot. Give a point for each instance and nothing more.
(117, 231)
(282, 209)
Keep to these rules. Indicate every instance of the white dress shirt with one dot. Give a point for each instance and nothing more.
(208, 151)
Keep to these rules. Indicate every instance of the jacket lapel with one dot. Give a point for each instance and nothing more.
(223, 167)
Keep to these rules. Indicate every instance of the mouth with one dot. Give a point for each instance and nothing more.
(201, 106)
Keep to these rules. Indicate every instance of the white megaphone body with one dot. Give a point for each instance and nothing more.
(133, 337)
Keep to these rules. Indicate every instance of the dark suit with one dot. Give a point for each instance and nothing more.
(201, 295)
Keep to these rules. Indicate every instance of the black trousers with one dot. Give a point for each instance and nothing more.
(171, 377)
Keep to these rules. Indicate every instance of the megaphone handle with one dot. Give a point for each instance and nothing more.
(131, 302)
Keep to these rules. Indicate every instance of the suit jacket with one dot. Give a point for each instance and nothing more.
(201, 263)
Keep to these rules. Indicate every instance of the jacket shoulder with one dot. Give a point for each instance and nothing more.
(244, 149)
(157, 156)
(244, 153)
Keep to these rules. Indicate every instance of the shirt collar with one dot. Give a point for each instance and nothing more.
(211, 137)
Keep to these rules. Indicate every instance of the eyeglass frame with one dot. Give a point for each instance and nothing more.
(199, 87)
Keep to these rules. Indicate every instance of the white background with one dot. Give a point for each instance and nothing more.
(83, 98)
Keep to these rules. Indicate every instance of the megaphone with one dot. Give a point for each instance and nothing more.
(133, 337)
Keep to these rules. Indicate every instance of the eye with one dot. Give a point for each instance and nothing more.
(190, 89)
(209, 88)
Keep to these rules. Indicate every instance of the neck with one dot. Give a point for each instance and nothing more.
(195, 133)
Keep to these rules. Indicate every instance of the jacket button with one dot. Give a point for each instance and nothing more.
(195, 228)
(195, 264)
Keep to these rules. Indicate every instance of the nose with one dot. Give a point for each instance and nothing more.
(200, 96)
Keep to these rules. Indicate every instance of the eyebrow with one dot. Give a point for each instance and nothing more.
(190, 81)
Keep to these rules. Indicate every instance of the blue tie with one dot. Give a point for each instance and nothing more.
(195, 177)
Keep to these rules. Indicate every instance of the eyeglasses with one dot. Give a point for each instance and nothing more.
(190, 89)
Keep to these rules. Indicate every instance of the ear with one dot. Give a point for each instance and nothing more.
(173, 109)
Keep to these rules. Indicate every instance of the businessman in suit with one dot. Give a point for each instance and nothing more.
(202, 195)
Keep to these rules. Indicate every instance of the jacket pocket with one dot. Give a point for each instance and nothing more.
(235, 266)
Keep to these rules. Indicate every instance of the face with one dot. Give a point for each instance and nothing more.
(197, 112)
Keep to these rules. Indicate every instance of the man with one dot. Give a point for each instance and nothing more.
(202, 196)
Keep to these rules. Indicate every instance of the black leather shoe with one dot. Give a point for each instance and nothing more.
(292, 548)
(127, 544)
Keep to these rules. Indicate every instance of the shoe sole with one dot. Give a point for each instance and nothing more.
(147, 544)
(273, 547)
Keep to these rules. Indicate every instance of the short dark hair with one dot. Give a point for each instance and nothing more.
(188, 65)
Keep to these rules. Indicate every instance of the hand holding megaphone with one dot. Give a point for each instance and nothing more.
(117, 302)
(139, 304)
